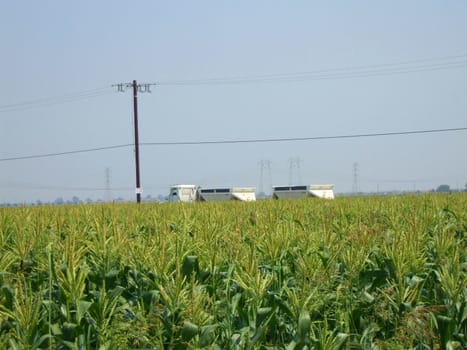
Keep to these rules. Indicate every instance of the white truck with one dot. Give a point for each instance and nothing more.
(293, 192)
(183, 193)
(192, 193)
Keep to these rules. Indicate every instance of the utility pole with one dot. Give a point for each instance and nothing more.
(141, 88)
(294, 162)
(355, 187)
(264, 164)
(108, 194)
(135, 122)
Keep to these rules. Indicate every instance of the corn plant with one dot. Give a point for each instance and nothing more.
(353, 273)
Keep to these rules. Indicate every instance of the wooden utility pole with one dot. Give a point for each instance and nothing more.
(135, 122)
(141, 88)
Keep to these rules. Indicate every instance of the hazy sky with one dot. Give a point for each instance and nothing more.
(361, 67)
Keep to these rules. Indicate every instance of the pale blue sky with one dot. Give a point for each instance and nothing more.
(55, 48)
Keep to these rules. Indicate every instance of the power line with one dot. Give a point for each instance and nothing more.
(65, 188)
(359, 71)
(216, 142)
(403, 67)
(46, 155)
(396, 181)
(294, 139)
(46, 187)
(49, 101)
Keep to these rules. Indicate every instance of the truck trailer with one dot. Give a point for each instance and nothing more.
(193, 193)
(294, 192)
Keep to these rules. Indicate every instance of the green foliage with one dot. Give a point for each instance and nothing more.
(352, 273)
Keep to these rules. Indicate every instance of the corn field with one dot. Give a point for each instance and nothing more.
(353, 273)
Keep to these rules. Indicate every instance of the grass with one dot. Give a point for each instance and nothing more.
(352, 273)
